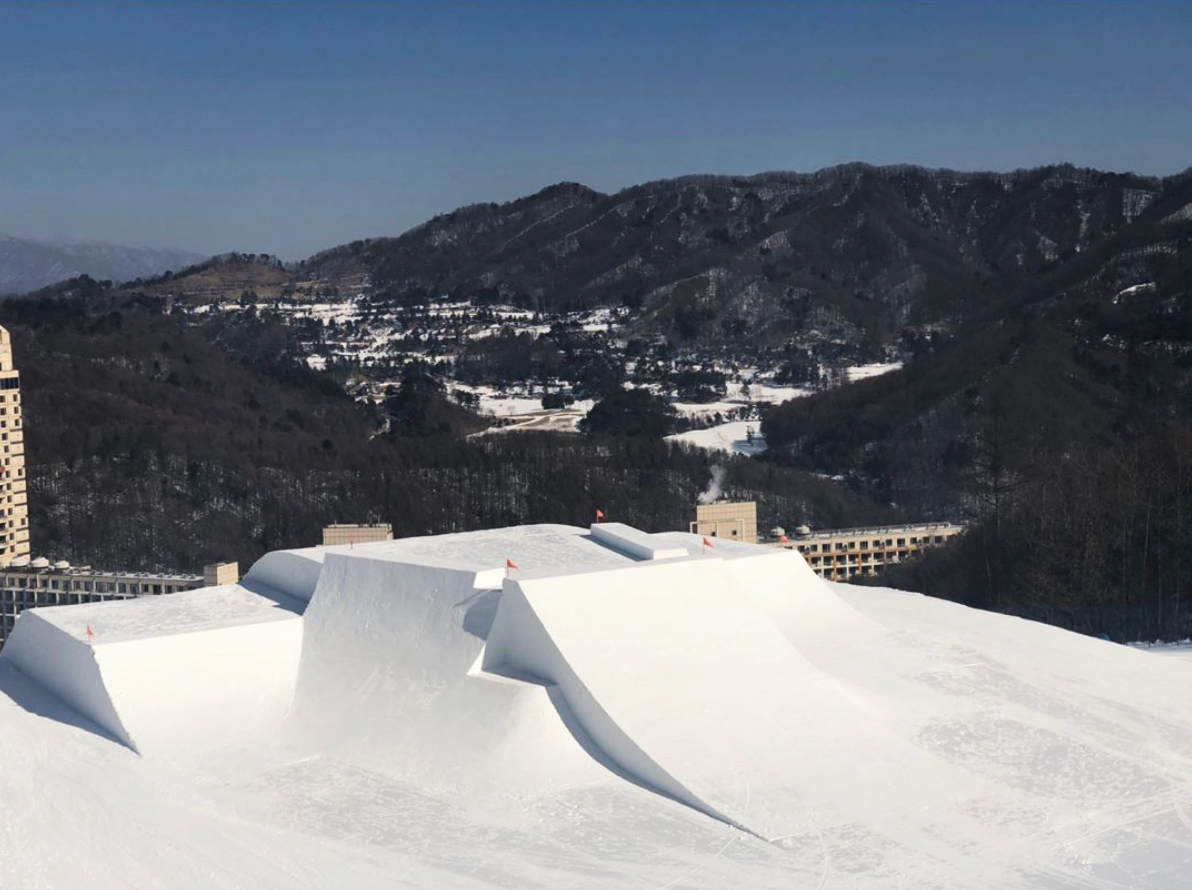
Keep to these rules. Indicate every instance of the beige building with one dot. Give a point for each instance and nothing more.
(334, 535)
(14, 512)
(843, 553)
(220, 573)
(722, 519)
(39, 582)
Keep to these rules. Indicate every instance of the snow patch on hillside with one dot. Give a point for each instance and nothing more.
(739, 437)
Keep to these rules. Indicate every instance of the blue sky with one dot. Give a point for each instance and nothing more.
(291, 127)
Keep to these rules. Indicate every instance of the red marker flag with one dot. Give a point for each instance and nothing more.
(707, 544)
(89, 634)
(510, 565)
(599, 515)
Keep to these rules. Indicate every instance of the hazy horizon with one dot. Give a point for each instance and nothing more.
(291, 128)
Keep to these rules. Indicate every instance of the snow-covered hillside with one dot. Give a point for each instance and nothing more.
(618, 710)
(738, 437)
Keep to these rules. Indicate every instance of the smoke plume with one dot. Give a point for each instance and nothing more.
(715, 488)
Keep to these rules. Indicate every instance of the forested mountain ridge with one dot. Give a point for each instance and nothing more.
(857, 255)
(860, 251)
(150, 446)
(1059, 422)
(1044, 319)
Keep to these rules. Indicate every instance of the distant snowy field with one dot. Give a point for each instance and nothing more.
(731, 437)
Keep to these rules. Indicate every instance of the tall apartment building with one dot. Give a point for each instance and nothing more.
(842, 553)
(14, 513)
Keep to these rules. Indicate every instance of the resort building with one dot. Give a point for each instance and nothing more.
(29, 584)
(843, 553)
(336, 535)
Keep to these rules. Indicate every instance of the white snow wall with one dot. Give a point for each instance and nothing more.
(293, 572)
(66, 667)
(387, 681)
(680, 676)
(176, 692)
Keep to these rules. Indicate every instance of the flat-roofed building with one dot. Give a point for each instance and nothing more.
(736, 521)
(31, 584)
(842, 553)
(336, 535)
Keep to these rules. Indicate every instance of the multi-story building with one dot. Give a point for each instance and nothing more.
(722, 519)
(14, 514)
(842, 553)
(28, 585)
(335, 535)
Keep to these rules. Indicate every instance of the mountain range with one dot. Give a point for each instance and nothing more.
(27, 264)
(856, 254)
(1043, 318)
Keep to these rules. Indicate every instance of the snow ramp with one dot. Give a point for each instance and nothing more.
(680, 680)
(191, 670)
(292, 572)
(389, 678)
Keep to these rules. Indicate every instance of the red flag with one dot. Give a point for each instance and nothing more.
(510, 565)
(89, 634)
(707, 543)
(599, 515)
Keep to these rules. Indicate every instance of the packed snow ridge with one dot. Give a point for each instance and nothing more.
(550, 706)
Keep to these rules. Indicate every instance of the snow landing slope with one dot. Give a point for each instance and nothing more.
(624, 710)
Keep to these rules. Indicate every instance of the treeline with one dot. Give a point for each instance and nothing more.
(1098, 540)
(171, 511)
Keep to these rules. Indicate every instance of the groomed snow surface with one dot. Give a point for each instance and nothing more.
(621, 710)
